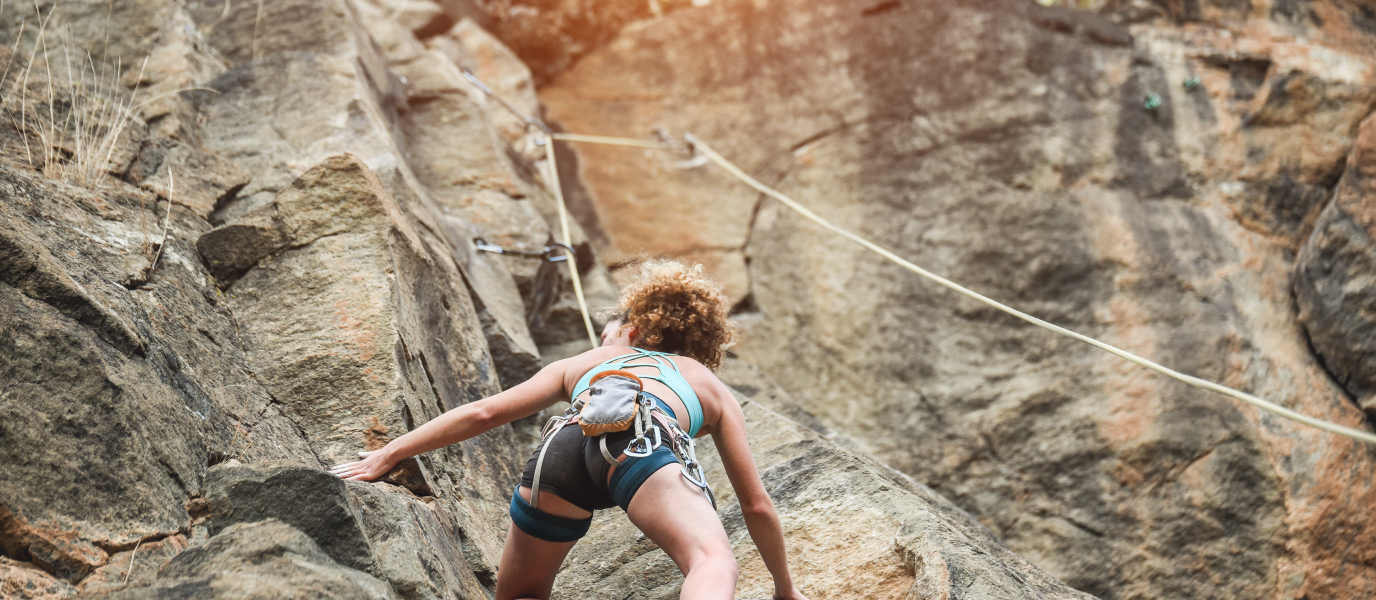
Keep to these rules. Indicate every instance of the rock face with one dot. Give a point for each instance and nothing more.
(891, 537)
(1334, 285)
(1011, 148)
(262, 287)
(265, 262)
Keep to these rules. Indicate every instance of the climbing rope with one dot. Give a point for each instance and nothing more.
(564, 230)
(552, 177)
(1260, 403)
(696, 145)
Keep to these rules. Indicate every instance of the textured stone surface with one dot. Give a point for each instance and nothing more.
(1008, 147)
(20, 581)
(551, 35)
(278, 271)
(423, 17)
(136, 567)
(363, 331)
(265, 559)
(419, 548)
(1335, 276)
(854, 529)
(131, 378)
(103, 443)
(471, 47)
(385, 323)
(241, 494)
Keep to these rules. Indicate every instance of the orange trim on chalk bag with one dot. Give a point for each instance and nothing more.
(626, 374)
(591, 430)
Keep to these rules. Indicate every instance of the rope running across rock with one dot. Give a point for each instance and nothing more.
(1205, 384)
(698, 145)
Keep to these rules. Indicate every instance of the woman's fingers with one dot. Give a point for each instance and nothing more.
(348, 470)
(367, 469)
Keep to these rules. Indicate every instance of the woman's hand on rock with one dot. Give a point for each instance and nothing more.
(791, 593)
(375, 464)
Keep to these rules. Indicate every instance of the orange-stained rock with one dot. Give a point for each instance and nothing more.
(21, 581)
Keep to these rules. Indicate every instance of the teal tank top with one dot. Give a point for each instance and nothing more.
(669, 377)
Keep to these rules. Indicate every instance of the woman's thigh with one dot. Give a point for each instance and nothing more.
(529, 565)
(677, 517)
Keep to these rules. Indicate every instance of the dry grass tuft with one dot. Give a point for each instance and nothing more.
(73, 118)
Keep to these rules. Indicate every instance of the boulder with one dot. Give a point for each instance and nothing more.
(309, 500)
(1011, 148)
(363, 329)
(353, 95)
(1335, 276)
(263, 559)
(136, 567)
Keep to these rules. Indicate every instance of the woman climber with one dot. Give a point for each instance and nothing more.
(653, 366)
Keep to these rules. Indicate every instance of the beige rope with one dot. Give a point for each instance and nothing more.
(610, 141)
(554, 186)
(1260, 403)
(564, 231)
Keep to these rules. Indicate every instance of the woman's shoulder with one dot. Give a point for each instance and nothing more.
(703, 380)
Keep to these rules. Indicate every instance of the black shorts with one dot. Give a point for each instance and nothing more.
(576, 471)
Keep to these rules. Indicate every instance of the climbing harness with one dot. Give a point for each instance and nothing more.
(617, 402)
(549, 253)
(695, 145)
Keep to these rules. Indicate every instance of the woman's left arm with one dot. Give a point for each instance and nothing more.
(761, 520)
(528, 398)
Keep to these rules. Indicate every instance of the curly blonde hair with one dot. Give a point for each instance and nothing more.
(675, 308)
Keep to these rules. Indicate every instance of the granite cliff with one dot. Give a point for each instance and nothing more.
(237, 246)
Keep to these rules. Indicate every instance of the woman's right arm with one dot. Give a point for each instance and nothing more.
(525, 399)
(758, 509)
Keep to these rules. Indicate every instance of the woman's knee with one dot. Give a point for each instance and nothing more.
(717, 561)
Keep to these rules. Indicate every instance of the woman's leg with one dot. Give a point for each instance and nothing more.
(529, 564)
(677, 516)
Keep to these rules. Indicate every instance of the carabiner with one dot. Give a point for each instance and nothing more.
(700, 480)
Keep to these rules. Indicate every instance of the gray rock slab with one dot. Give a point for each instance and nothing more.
(310, 500)
(262, 560)
(420, 550)
(104, 445)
